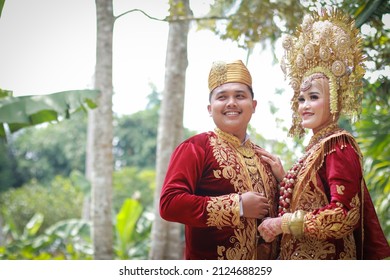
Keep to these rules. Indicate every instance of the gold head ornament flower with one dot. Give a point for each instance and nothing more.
(329, 43)
(223, 72)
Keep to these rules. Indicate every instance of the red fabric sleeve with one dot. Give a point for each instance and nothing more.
(178, 202)
(341, 178)
(343, 168)
(344, 176)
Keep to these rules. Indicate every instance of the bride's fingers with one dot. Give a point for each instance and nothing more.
(271, 160)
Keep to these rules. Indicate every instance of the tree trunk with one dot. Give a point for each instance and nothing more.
(167, 237)
(100, 136)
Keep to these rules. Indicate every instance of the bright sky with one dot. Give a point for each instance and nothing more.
(49, 46)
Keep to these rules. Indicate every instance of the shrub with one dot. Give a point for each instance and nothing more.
(60, 200)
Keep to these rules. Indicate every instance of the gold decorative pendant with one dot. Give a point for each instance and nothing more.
(246, 151)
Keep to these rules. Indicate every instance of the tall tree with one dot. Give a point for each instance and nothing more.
(99, 163)
(166, 236)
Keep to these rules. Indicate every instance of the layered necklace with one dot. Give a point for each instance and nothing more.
(288, 182)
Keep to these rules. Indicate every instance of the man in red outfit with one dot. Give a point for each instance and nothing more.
(216, 185)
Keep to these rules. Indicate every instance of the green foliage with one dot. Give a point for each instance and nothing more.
(135, 183)
(1, 6)
(55, 149)
(9, 174)
(373, 131)
(370, 10)
(67, 239)
(45, 151)
(177, 9)
(133, 201)
(142, 236)
(42, 222)
(58, 201)
(33, 225)
(125, 224)
(250, 22)
(38, 109)
(136, 139)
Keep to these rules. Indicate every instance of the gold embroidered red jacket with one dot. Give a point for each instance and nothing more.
(205, 175)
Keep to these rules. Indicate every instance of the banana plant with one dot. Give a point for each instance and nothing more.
(1, 6)
(126, 221)
(22, 111)
(67, 239)
(70, 239)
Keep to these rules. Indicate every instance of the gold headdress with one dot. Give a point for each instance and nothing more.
(228, 72)
(327, 43)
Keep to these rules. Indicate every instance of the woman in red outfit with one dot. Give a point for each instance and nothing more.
(325, 210)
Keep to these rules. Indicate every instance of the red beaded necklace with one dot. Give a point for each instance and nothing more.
(287, 185)
(289, 180)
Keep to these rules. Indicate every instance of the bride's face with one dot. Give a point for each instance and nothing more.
(313, 105)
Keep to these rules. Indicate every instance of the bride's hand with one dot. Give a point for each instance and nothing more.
(274, 162)
(270, 228)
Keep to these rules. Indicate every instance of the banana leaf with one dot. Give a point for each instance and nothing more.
(1, 6)
(126, 221)
(23, 111)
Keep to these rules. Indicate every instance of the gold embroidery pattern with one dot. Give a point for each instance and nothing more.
(312, 249)
(238, 164)
(223, 211)
(305, 180)
(311, 198)
(226, 157)
(309, 248)
(317, 150)
(340, 189)
(333, 223)
(350, 248)
(243, 245)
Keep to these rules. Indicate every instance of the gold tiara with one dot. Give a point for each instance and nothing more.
(228, 72)
(329, 43)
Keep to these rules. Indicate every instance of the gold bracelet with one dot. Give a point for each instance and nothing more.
(286, 218)
(296, 223)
